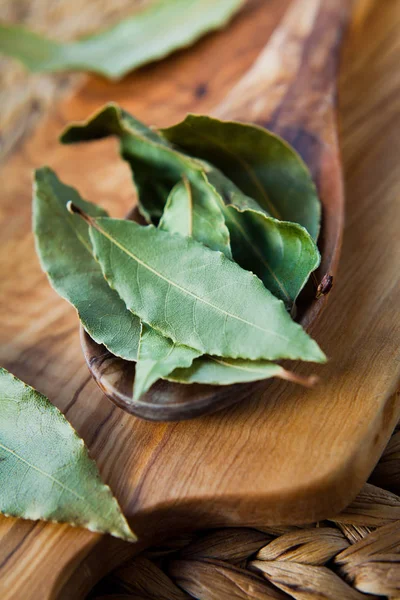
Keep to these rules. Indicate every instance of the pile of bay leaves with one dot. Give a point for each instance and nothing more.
(203, 292)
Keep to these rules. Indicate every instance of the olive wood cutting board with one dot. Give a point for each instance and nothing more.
(287, 455)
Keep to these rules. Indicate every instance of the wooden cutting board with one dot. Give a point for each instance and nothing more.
(290, 456)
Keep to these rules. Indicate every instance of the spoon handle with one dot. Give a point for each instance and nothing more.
(292, 86)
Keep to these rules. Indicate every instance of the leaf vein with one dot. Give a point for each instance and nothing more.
(53, 479)
(184, 290)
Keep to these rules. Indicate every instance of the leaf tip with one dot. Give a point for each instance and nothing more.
(124, 532)
(306, 381)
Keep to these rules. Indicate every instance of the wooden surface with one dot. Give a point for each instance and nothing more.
(288, 456)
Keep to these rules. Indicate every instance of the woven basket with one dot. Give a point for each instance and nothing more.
(343, 558)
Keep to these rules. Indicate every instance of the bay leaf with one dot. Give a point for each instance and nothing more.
(260, 163)
(184, 216)
(158, 356)
(281, 253)
(227, 371)
(153, 33)
(45, 469)
(195, 296)
(65, 252)
(177, 217)
(156, 168)
(109, 120)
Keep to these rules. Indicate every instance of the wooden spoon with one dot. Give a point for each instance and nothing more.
(291, 90)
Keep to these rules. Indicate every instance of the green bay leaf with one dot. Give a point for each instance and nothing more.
(187, 215)
(65, 252)
(260, 163)
(195, 296)
(151, 34)
(158, 356)
(178, 215)
(281, 253)
(215, 370)
(45, 469)
(156, 168)
(178, 218)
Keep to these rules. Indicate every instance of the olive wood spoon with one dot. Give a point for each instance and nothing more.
(291, 90)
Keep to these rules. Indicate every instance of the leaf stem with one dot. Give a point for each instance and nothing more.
(306, 381)
(75, 210)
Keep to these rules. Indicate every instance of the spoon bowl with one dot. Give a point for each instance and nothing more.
(291, 90)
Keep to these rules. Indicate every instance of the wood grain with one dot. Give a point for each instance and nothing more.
(288, 456)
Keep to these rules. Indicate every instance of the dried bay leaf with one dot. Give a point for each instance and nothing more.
(156, 168)
(282, 254)
(112, 120)
(209, 303)
(153, 33)
(45, 469)
(183, 215)
(227, 371)
(65, 252)
(178, 215)
(260, 163)
(158, 356)
(178, 218)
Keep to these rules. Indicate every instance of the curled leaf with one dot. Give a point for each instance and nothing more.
(282, 254)
(178, 215)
